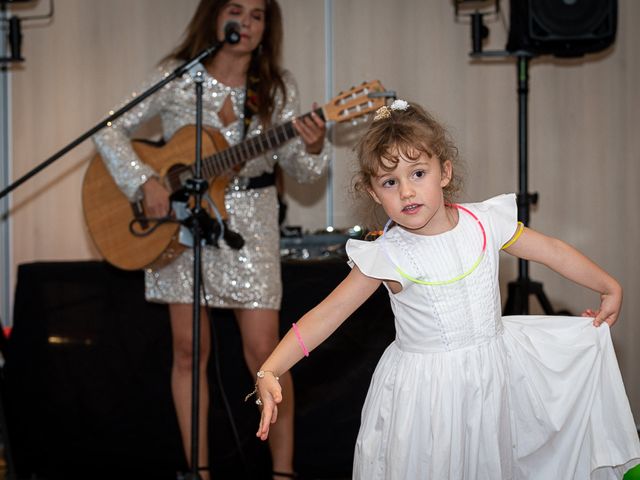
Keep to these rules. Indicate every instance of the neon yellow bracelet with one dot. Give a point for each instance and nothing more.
(515, 237)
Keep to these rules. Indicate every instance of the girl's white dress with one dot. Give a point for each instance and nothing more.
(464, 393)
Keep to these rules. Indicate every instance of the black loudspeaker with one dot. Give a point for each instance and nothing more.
(564, 28)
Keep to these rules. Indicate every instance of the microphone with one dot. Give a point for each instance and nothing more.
(231, 32)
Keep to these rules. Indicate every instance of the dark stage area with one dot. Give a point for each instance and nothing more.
(87, 379)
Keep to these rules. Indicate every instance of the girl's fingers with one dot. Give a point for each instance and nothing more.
(265, 421)
(269, 414)
(608, 317)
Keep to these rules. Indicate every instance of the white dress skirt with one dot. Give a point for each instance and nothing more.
(464, 393)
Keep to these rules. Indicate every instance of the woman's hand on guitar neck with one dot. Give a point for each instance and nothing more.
(156, 198)
(312, 130)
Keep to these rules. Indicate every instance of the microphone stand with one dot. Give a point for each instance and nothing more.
(195, 187)
(519, 290)
(178, 72)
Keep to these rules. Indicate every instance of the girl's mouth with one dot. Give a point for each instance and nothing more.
(412, 208)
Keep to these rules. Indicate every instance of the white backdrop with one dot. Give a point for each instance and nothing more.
(583, 118)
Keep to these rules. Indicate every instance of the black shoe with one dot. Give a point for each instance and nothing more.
(284, 474)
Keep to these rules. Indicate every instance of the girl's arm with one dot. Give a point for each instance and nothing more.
(314, 327)
(570, 263)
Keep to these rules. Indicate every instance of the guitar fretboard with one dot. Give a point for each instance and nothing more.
(252, 147)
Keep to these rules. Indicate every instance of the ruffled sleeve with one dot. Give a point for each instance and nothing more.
(372, 261)
(503, 214)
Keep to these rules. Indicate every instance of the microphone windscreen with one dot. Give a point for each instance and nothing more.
(231, 32)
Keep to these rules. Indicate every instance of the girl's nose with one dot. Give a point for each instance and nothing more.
(406, 191)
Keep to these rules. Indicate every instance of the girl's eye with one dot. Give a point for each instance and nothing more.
(389, 183)
(258, 16)
(420, 173)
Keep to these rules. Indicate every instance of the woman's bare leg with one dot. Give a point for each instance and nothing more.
(259, 330)
(181, 378)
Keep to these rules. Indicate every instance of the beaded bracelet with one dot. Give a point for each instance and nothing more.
(260, 374)
(302, 345)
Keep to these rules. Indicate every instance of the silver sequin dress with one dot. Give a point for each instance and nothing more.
(246, 278)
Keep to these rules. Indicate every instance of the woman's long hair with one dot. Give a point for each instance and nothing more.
(265, 63)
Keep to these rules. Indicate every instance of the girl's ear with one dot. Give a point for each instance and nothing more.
(374, 196)
(447, 173)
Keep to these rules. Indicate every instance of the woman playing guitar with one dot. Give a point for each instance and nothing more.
(245, 91)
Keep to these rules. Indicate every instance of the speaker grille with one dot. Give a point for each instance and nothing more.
(559, 19)
(565, 28)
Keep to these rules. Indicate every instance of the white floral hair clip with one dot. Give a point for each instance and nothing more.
(399, 105)
(385, 112)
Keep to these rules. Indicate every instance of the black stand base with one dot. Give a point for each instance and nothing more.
(518, 297)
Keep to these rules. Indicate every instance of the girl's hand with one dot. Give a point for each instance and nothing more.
(156, 198)
(312, 130)
(270, 394)
(610, 305)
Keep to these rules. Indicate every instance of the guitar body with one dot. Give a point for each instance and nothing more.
(109, 213)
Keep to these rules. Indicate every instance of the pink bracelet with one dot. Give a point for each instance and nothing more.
(302, 345)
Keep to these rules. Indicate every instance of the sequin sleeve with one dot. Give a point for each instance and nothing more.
(292, 156)
(114, 142)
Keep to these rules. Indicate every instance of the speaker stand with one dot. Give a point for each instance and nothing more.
(519, 291)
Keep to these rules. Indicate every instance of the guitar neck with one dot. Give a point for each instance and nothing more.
(273, 137)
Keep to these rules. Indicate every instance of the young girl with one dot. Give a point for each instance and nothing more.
(463, 393)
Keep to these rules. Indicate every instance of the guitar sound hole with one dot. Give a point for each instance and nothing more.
(177, 176)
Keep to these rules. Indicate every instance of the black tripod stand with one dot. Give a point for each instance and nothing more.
(519, 290)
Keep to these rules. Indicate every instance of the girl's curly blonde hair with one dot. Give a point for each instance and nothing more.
(407, 132)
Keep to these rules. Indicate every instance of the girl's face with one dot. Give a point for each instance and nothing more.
(250, 15)
(411, 194)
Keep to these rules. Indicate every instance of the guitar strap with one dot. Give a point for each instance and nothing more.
(251, 101)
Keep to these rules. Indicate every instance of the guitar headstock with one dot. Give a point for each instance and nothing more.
(355, 102)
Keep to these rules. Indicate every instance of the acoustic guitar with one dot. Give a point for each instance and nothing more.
(110, 215)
